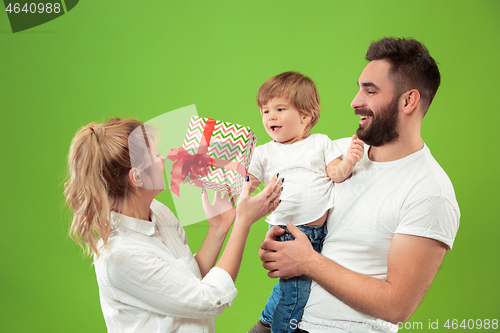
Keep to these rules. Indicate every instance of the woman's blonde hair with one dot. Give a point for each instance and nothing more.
(99, 166)
(297, 89)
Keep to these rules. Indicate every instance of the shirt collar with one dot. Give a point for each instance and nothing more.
(144, 227)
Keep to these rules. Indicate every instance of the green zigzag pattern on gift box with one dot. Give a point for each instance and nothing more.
(234, 133)
(237, 134)
(228, 142)
(194, 134)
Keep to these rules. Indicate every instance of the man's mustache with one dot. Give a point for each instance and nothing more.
(363, 112)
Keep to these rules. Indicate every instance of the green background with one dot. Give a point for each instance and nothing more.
(144, 58)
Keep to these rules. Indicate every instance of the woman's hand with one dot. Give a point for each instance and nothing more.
(221, 213)
(250, 209)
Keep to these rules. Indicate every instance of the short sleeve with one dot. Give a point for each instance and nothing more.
(341, 145)
(433, 217)
(144, 280)
(331, 149)
(256, 168)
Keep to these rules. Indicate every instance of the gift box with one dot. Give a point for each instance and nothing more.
(215, 155)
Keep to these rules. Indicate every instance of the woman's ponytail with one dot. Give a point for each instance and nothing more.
(99, 164)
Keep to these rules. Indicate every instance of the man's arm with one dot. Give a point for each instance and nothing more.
(412, 264)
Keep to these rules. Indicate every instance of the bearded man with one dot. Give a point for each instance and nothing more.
(393, 220)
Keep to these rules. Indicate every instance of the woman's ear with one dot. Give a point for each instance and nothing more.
(134, 178)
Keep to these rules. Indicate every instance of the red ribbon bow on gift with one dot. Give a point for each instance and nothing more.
(197, 165)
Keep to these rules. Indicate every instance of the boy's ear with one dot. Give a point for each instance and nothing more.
(306, 118)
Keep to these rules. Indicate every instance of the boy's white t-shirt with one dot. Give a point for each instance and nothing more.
(412, 196)
(307, 191)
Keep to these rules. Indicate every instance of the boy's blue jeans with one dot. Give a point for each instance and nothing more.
(289, 296)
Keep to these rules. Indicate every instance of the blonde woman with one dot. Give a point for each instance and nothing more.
(149, 281)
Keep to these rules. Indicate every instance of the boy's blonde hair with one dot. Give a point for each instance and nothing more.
(298, 89)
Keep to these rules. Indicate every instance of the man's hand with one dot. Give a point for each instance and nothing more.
(355, 151)
(286, 259)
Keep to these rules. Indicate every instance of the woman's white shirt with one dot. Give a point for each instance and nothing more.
(149, 280)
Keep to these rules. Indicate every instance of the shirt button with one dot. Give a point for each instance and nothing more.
(219, 302)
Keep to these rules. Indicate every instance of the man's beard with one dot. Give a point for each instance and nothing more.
(382, 129)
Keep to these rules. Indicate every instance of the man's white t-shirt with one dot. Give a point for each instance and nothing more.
(412, 195)
(308, 191)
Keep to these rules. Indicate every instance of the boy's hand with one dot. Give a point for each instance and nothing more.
(355, 151)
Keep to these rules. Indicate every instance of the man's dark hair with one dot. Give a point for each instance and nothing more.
(412, 67)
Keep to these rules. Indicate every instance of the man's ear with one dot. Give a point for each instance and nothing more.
(410, 100)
